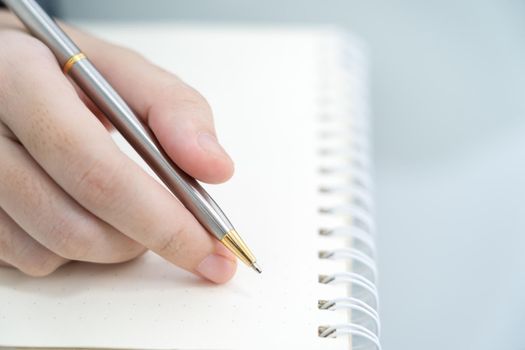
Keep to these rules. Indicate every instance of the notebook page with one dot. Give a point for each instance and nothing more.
(261, 84)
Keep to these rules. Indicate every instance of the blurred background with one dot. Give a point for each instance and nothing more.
(448, 96)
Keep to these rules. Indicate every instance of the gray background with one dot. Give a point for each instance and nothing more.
(448, 89)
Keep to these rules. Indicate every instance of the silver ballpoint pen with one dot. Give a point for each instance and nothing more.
(87, 77)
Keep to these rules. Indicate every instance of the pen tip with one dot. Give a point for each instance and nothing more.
(256, 267)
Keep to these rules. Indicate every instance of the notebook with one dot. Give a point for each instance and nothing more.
(290, 106)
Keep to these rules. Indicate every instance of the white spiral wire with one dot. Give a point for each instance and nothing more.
(346, 171)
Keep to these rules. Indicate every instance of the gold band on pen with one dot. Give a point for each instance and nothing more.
(71, 61)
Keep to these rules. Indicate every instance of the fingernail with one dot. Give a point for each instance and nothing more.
(217, 268)
(209, 143)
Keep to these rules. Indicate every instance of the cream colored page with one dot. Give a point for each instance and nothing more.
(262, 87)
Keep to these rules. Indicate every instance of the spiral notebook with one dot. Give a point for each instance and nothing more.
(290, 106)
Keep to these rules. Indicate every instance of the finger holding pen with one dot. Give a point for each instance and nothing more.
(72, 148)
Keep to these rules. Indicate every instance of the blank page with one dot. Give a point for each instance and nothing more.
(262, 85)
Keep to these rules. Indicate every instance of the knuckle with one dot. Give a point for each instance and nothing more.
(68, 241)
(176, 95)
(99, 184)
(193, 98)
(172, 244)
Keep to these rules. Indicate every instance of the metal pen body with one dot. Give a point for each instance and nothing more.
(87, 77)
(140, 137)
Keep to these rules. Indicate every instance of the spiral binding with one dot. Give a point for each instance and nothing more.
(343, 118)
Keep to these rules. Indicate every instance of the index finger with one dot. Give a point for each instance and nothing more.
(178, 115)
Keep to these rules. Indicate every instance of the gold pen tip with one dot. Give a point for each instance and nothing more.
(256, 267)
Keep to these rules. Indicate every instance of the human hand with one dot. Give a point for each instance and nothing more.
(68, 193)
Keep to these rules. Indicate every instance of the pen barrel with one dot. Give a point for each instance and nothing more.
(139, 136)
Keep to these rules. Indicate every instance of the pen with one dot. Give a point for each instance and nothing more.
(75, 64)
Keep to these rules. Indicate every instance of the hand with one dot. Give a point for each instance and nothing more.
(68, 193)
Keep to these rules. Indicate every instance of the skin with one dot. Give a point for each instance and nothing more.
(68, 193)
